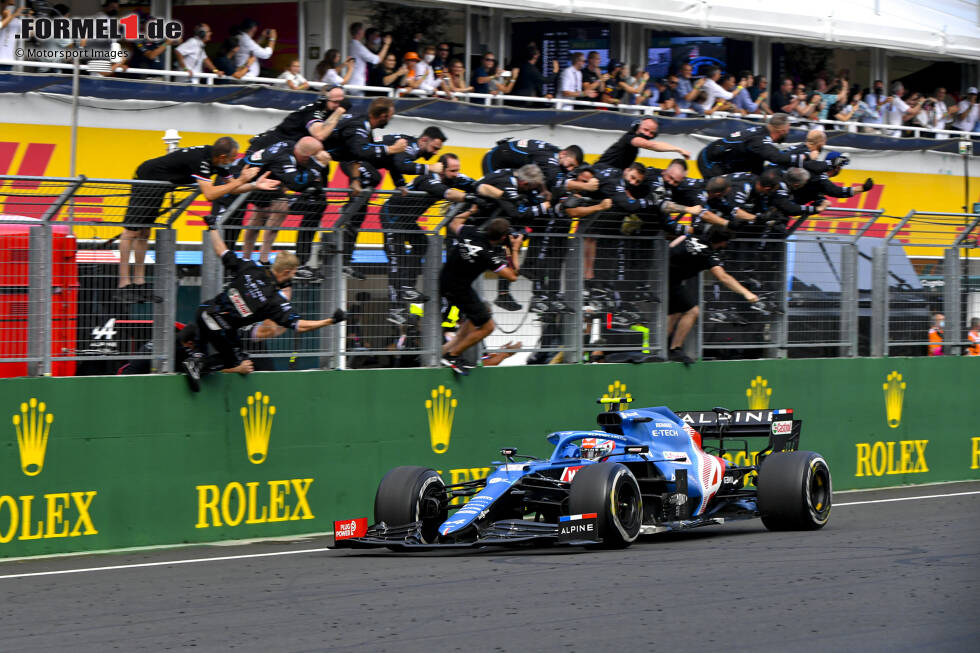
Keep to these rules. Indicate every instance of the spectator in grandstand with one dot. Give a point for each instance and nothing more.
(191, 56)
(638, 84)
(225, 62)
(856, 110)
(626, 148)
(401, 213)
(895, 111)
(440, 64)
(759, 88)
(332, 70)
(294, 78)
(686, 93)
(667, 96)
(363, 56)
(743, 102)
(784, 99)
(247, 45)
(570, 82)
(253, 295)
(593, 77)
(180, 167)
(934, 115)
(147, 53)
(936, 333)
(473, 252)
(973, 349)
(967, 112)
(388, 73)
(689, 255)
(425, 75)
(875, 97)
(457, 77)
(751, 149)
(301, 167)
(830, 95)
(485, 74)
(714, 91)
(530, 81)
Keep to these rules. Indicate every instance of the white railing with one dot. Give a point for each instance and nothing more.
(493, 99)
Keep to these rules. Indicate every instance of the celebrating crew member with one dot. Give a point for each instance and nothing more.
(624, 151)
(813, 188)
(473, 252)
(405, 162)
(689, 255)
(180, 167)
(556, 164)
(750, 149)
(317, 119)
(406, 248)
(253, 295)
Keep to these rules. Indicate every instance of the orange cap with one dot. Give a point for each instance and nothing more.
(412, 55)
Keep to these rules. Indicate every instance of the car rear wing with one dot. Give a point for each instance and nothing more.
(779, 426)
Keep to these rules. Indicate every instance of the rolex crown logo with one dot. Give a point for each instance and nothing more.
(32, 426)
(758, 393)
(894, 389)
(441, 409)
(617, 389)
(257, 416)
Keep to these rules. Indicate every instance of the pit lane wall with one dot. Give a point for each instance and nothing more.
(109, 462)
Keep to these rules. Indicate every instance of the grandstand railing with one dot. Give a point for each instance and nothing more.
(500, 99)
(846, 283)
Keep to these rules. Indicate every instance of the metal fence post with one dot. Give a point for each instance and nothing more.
(849, 300)
(575, 291)
(782, 321)
(164, 287)
(661, 289)
(694, 349)
(212, 272)
(331, 264)
(952, 301)
(39, 300)
(879, 301)
(432, 315)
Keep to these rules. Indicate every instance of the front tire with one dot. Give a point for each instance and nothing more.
(610, 490)
(794, 491)
(409, 494)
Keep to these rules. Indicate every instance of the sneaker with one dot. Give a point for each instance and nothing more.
(142, 294)
(456, 364)
(192, 368)
(507, 302)
(540, 304)
(124, 295)
(678, 356)
(411, 295)
(351, 273)
(397, 316)
(306, 273)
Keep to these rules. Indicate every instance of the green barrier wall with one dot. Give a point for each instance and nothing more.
(97, 463)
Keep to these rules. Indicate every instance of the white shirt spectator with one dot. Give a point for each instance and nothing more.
(248, 47)
(192, 50)
(933, 118)
(892, 112)
(715, 92)
(333, 77)
(7, 34)
(363, 58)
(966, 122)
(571, 80)
(424, 72)
(295, 78)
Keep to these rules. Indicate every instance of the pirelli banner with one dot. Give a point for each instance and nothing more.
(103, 463)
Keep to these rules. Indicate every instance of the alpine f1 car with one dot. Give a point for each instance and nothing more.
(647, 471)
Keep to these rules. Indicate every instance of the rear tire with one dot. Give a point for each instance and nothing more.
(794, 491)
(610, 490)
(410, 494)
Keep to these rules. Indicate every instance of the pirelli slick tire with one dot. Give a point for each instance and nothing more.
(410, 494)
(610, 490)
(795, 491)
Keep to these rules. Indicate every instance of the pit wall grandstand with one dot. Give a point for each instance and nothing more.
(115, 136)
(112, 462)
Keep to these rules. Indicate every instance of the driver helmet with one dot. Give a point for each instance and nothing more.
(595, 448)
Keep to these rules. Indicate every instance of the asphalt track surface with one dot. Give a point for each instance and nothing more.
(901, 574)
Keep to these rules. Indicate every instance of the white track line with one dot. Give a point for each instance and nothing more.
(167, 563)
(322, 549)
(926, 496)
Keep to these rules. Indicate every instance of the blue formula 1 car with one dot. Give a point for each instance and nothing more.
(647, 471)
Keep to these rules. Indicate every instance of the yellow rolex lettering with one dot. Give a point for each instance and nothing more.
(11, 505)
(302, 486)
(459, 476)
(277, 500)
(975, 457)
(82, 502)
(479, 472)
(863, 459)
(920, 450)
(879, 460)
(26, 522)
(56, 514)
(906, 463)
(207, 503)
(891, 460)
(253, 493)
(239, 491)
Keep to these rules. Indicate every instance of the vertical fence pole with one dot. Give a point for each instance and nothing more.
(952, 301)
(339, 296)
(849, 300)
(879, 301)
(212, 272)
(575, 291)
(39, 300)
(695, 348)
(328, 338)
(782, 319)
(661, 289)
(164, 313)
(432, 316)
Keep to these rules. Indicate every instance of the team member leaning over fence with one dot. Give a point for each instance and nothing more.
(253, 295)
(808, 188)
(181, 167)
(317, 119)
(624, 151)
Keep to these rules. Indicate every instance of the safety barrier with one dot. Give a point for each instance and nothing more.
(113, 462)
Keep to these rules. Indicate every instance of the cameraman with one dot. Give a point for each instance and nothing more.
(253, 295)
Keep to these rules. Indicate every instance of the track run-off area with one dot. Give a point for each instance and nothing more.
(894, 570)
